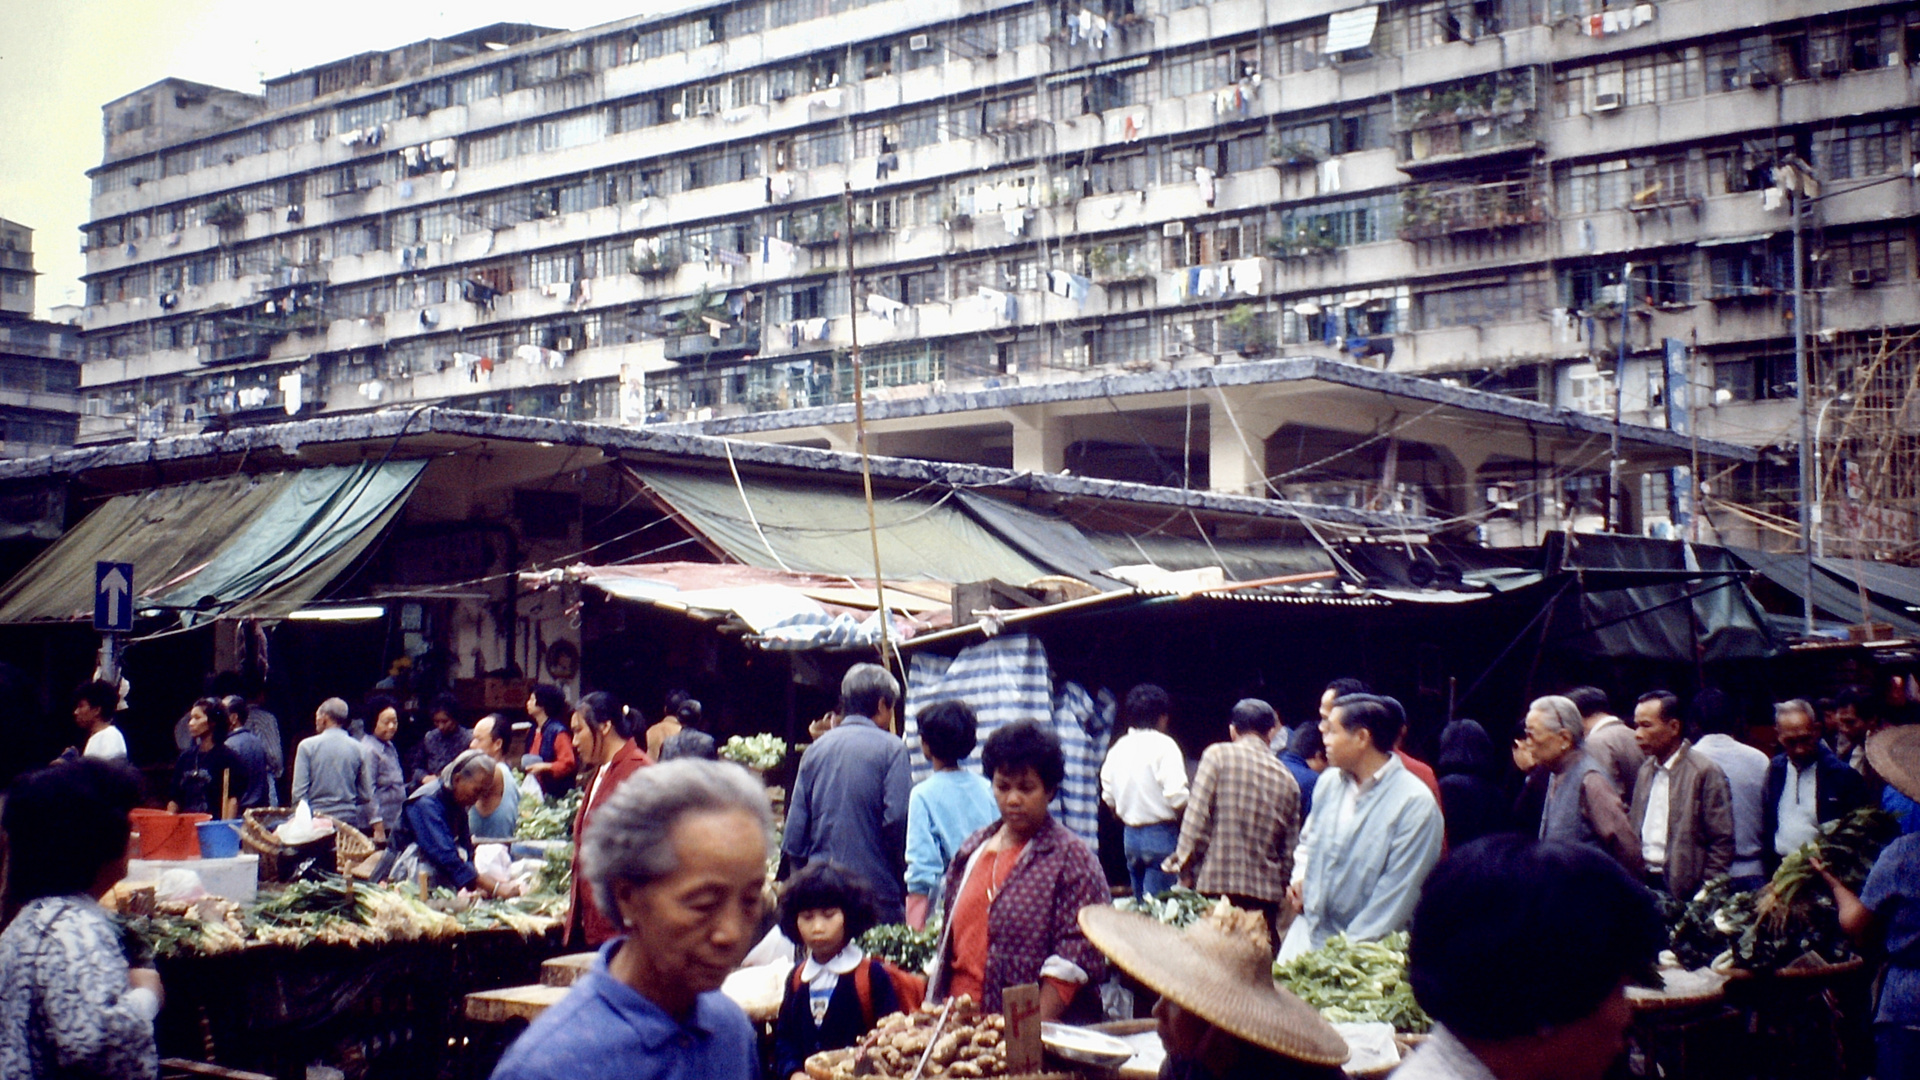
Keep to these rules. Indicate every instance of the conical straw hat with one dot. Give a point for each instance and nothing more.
(1222, 976)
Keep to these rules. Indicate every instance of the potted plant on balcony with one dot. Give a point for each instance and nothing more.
(1248, 331)
(1294, 154)
(224, 213)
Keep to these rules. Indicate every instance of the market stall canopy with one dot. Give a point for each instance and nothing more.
(229, 546)
(1842, 588)
(780, 610)
(1626, 597)
(822, 529)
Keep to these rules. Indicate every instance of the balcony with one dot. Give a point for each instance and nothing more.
(1431, 211)
(1491, 116)
(229, 350)
(705, 344)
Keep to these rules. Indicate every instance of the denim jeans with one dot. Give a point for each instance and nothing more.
(1898, 1052)
(1147, 846)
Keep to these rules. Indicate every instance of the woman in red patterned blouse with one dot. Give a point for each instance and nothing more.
(1014, 891)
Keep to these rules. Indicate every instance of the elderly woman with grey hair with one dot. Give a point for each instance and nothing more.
(434, 835)
(677, 857)
(1582, 805)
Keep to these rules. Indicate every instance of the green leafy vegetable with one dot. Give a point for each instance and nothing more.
(1357, 982)
(911, 949)
(1178, 907)
(549, 819)
(761, 752)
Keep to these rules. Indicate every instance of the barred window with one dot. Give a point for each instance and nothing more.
(1868, 257)
(1514, 299)
(1122, 341)
(1594, 186)
(1860, 150)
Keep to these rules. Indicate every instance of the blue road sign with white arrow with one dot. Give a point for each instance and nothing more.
(113, 597)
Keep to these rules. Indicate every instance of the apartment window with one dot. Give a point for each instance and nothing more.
(1596, 186)
(1301, 47)
(1750, 272)
(876, 60)
(1204, 72)
(1768, 377)
(1660, 182)
(1007, 113)
(1124, 341)
(1868, 257)
(1861, 150)
(1666, 282)
(555, 269)
(1125, 172)
(1220, 241)
(819, 300)
(1514, 299)
(819, 148)
(571, 131)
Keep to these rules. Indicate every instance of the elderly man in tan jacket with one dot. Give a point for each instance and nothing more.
(1682, 803)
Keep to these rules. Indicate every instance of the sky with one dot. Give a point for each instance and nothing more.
(61, 60)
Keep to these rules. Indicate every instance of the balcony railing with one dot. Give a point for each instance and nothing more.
(241, 347)
(1429, 211)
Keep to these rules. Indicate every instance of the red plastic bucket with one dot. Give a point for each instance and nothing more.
(168, 836)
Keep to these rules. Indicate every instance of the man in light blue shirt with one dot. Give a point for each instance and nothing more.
(1746, 770)
(331, 773)
(1374, 833)
(945, 808)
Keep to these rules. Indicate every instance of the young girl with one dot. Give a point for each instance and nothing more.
(836, 991)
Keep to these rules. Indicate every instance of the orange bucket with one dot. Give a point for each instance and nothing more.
(167, 836)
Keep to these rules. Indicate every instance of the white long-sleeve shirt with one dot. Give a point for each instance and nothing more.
(1144, 778)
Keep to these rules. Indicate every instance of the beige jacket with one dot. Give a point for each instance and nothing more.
(1699, 819)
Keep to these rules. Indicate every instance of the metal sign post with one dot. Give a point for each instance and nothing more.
(112, 613)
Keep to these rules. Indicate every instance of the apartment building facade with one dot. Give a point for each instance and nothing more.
(39, 360)
(651, 222)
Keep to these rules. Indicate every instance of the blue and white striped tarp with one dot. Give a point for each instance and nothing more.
(1006, 679)
(815, 630)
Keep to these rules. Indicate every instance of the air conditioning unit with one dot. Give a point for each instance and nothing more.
(1606, 102)
(1832, 66)
(1760, 79)
(1174, 228)
(565, 344)
(704, 108)
(919, 43)
(1860, 278)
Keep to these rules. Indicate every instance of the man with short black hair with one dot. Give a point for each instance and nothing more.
(1338, 689)
(1521, 952)
(1608, 740)
(1305, 756)
(1144, 780)
(93, 707)
(1374, 832)
(1682, 806)
(1242, 820)
(1852, 719)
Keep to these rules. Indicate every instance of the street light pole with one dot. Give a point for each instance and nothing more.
(1802, 386)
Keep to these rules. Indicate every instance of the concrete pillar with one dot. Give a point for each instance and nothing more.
(1039, 440)
(1237, 457)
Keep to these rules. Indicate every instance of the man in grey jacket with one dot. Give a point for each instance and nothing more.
(1682, 803)
(331, 773)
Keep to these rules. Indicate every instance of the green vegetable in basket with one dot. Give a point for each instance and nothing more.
(1357, 982)
(761, 752)
(549, 819)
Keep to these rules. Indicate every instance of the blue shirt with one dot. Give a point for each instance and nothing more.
(1303, 775)
(505, 819)
(850, 806)
(245, 746)
(1902, 808)
(389, 779)
(942, 812)
(331, 773)
(606, 1030)
(1367, 851)
(1892, 893)
(439, 825)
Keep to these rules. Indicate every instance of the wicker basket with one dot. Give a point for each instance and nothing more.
(350, 845)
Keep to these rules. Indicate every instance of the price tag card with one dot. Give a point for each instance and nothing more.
(1022, 1004)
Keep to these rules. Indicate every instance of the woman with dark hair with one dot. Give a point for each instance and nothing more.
(73, 1004)
(555, 763)
(207, 779)
(945, 808)
(1015, 889)
(603, 740)
(1521, 952)
(830, 1001)
(1472, 804)
(682, 712)
(245, 746)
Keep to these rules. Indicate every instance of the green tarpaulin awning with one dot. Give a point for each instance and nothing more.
(235, 545)
(813, 528)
